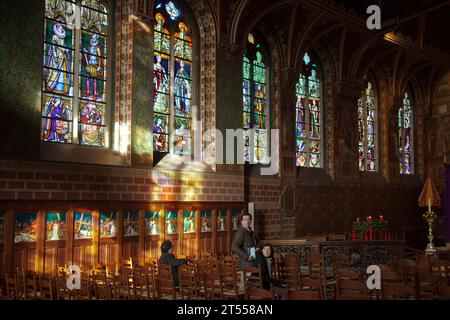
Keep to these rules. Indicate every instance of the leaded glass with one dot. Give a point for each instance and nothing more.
(405, 139)
(308, 116)
(367, 132)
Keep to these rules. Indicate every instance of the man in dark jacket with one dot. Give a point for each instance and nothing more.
(167, 257)
(250, 250)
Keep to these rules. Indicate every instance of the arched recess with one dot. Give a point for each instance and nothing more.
(328, 79)
(204, 15)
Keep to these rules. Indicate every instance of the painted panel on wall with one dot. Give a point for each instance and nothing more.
(83, 225)
(108, 226)
(131, 224)
(221, 220)
(171, 222)
(152, 223)
(55, 226)
(206, 221)
(25, 227)
(189, 222)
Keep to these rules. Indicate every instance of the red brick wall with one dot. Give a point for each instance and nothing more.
(44, 181)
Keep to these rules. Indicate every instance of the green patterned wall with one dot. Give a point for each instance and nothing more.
(20, 77)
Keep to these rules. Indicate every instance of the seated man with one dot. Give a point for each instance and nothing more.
(245, 244)
(167, 257)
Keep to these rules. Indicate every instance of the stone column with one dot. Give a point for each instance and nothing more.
(346, 130)
(142, 93)
(288, 170)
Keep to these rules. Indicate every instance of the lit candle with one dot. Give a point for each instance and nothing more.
(381, 217)
(429, 204)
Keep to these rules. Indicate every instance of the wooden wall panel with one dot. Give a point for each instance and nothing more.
(25, 257)
(130, 248)
(152, 248)
(82, 253)
(55, 254)
(108, 251)
(45, 255)
(222, 242)
(206, 242)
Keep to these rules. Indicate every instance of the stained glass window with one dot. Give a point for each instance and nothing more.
(405, 121)
(172, 64)
(308, 115)
(74, 72)
(255, 105)
(367, 129)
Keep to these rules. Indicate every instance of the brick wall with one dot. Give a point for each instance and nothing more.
(46, 181)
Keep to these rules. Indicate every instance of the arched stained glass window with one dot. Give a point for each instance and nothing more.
(309, 116)
(75, 72)
(255, 101)
(367, 129)
(405, 127)
(172, 81)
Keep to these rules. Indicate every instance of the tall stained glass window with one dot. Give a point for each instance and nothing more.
(74, 72)
(405, 121)
(367, 129)
(309, 115)
(255, 105)
(172, 81)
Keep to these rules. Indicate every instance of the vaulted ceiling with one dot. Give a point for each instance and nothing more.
(413, 38)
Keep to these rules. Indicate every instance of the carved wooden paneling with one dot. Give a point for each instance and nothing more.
(82, 253)
(222, 242)
(55, 254)
(152, 247)
(206, 242)
(25, 256)
(131, 248)
(189, 245)
(108, 251)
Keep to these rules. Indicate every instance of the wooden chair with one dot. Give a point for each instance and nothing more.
(304, 295)
(252, 277)
(166, 286)
(85, 291)
(309, 284)
(398, 291)
(103, 291)
(253, 293)
(230, 283)
(213, 284)
(62, 292)
(30, 288)
(351, 290)
(189, 284)
(428, 285)
(141, 287)
(13, 289)
(290, 271)
(121, 287)
(46, 288)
